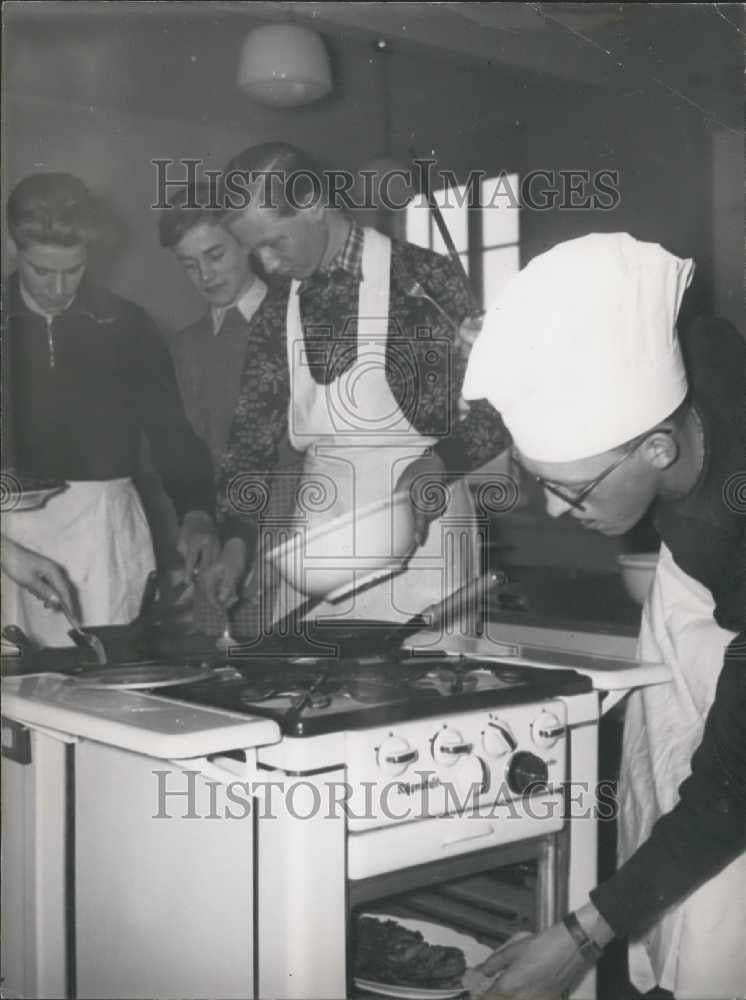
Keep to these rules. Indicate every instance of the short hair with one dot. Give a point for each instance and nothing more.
(191, 206)
(301, 181)
(53, 209)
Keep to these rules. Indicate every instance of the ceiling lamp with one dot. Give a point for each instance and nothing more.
(284, 66)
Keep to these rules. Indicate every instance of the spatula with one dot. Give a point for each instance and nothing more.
(81, 637)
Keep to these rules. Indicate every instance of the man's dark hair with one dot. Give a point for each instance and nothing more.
(53, 209)
(191, 206)
(280, 176)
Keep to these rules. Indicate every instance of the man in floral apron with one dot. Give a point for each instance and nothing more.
(370, 377)
(614, 413)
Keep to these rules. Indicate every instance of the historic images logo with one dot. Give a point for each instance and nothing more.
(573, 189)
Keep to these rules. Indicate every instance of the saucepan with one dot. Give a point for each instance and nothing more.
(638, 572)
(96, 644)
(118, 643)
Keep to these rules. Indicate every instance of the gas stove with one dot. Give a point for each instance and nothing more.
(312, 695)
(367, 768)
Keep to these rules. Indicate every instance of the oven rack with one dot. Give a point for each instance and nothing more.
(490, 907)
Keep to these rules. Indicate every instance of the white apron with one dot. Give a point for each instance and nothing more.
(98, 533)
(697, 949)
(357, 442)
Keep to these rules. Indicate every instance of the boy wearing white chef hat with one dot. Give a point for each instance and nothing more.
(580, 356)
(614, 413)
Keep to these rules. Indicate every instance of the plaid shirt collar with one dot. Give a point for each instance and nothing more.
(348, 259)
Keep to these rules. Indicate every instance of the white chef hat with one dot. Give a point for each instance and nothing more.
(579, 353)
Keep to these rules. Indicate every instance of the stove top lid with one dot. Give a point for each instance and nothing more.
(136, 721)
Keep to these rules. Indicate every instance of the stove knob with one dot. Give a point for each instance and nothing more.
(497, 738)
(395, 755)
(547, 729)
(527, 774)
(448, 747)
(471, 779)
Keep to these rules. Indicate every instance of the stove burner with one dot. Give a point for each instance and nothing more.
(317, 689)
(446, 681)
(312, 683)
(306, 692)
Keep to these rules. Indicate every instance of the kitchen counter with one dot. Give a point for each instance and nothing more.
(573, 599)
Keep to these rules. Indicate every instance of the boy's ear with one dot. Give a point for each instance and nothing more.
(661, 451)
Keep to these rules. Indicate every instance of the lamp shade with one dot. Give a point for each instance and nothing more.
(284, 65)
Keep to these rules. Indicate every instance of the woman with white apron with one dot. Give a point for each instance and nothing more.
(88, 374)
(696, 950)
(98, 533)
(357, 442)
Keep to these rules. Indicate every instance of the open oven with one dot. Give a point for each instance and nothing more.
(474, 903)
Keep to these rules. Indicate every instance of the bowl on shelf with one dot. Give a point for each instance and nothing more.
(331, 560)
(638, 570)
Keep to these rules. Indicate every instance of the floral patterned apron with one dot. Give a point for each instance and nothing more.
(357, 441)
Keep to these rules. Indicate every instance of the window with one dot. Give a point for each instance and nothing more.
(486, 236)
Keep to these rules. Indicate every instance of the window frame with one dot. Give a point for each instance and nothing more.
(476, 248)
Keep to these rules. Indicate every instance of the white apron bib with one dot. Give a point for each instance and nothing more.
(696, 950)
(357, 442)
(98, 533)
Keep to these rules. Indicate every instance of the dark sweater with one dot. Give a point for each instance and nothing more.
(80, 391)
(705, 534)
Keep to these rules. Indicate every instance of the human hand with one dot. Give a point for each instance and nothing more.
(39, 575)
(221, 579)
(425, 482)
(198, 542)
(543, 966)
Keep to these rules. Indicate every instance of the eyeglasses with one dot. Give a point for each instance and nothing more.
(575, 500)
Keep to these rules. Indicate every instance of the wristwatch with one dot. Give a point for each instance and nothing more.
(589, 949)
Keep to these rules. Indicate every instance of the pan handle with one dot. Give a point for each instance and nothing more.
(467, 600)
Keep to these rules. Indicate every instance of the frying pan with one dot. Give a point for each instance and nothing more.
(136, 676)
(354, 637)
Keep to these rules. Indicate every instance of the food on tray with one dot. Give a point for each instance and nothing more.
(386, 952)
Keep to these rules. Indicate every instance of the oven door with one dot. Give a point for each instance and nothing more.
(474, 901)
